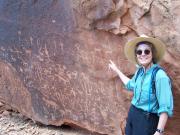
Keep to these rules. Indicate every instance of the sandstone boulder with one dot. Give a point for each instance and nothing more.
(54, 57)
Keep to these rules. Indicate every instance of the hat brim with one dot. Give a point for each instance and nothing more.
(159, 46)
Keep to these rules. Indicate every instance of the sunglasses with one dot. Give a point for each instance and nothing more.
(146, 52)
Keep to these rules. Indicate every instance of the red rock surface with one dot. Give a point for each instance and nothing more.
(54, 57)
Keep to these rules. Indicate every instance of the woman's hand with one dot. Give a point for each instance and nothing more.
(113, 66)
(123, 77)
(157, 133)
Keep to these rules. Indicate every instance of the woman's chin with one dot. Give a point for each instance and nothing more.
(144, 63)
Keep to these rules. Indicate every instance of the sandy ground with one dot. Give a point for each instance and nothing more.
(14, 123)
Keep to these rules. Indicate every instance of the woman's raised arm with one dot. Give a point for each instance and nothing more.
(122, 76)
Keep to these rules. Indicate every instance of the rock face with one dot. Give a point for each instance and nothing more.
(54, 57)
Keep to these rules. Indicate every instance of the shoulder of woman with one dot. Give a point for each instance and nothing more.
(161, 74)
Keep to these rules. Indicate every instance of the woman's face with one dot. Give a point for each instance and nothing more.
(144, 55)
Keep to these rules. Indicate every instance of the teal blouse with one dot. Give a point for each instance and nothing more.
(161, 102)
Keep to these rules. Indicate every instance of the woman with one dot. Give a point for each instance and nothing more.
(150, 106)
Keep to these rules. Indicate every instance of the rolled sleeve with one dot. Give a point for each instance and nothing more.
(131, 83)
(165, 109)
(164, 96)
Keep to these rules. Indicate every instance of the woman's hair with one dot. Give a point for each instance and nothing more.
(153, 50)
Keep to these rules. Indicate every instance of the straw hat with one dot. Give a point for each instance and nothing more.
(130, 46)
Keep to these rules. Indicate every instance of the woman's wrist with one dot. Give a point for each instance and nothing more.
(161, 131)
